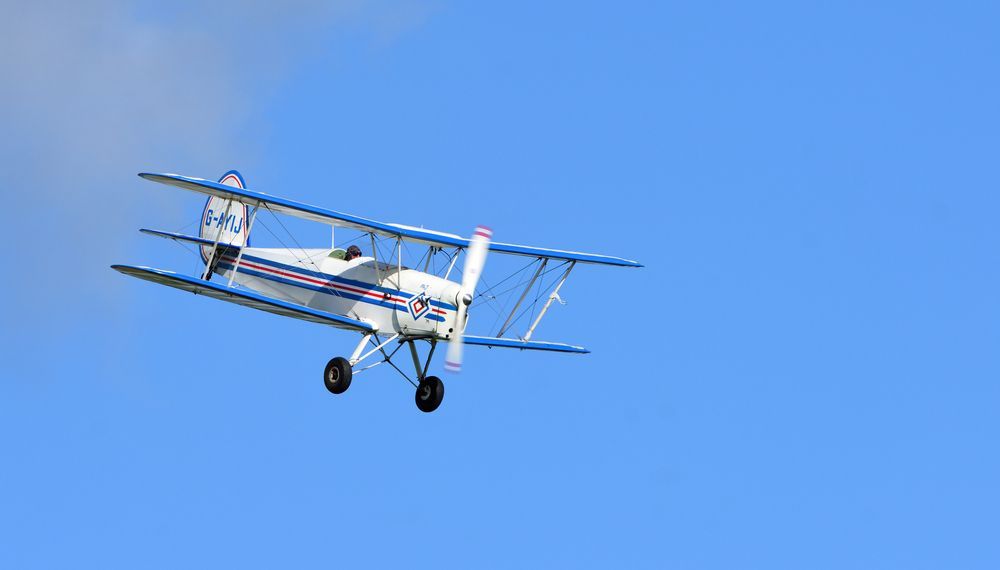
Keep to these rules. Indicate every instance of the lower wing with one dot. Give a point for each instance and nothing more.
(243, 297)
(523, 344)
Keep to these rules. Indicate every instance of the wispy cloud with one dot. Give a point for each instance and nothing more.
(94, 91)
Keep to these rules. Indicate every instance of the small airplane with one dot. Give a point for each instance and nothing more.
(383, 300)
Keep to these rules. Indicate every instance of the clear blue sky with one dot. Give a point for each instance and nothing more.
(805, 375)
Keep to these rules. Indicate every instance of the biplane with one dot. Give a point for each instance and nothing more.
(389, 304)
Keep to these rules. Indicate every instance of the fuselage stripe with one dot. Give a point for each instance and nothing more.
(329, 287)
(329, 284)
(327, 277)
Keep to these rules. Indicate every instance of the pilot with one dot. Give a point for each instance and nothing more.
(353, 252)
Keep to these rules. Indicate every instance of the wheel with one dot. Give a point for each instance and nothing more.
(430, 392)
(337, 375)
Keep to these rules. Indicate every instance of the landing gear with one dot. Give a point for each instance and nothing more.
(430, 392)
(337, 375)
(339, 371)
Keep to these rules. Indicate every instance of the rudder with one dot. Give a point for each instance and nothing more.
(216, 224)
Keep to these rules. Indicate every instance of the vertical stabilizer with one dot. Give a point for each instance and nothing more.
(224, 220)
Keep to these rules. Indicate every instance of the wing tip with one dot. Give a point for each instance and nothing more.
(161, 177)
(122, 268)
(137, 270)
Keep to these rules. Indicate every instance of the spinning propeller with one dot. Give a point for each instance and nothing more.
(475, 258)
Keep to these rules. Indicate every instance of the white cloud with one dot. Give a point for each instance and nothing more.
(93, 92)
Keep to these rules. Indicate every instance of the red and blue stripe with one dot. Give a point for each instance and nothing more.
(331, 285)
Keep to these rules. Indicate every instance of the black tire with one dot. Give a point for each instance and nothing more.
(337, 375)
(430, 392)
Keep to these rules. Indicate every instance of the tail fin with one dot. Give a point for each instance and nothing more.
(228, 229)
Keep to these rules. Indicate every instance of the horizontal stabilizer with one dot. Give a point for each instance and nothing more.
(524, 344)
(242, 297)
(187, 238)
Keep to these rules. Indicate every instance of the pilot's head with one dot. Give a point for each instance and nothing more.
(352, 252)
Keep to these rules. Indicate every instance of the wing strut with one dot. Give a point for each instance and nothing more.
(554, 295)
(239, 256)
(451, 264)
(527, 289)
(399, 263)
(378, 276)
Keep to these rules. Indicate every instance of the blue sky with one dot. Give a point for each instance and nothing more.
(804, 375)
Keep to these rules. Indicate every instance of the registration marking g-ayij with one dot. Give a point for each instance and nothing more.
(389, 304)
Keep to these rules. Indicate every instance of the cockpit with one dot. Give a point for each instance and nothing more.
(348, 254)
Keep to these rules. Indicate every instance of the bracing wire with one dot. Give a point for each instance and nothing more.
(388, 357)
(539, 290)
(291, 251)
(512, 275)
(493, 300)
(507, 299)
(302, 249)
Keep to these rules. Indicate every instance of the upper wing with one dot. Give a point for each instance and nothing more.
(243, 297)
(409, 233)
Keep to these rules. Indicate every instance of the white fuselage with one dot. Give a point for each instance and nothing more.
(409, 302)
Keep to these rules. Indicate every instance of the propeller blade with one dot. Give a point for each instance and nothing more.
(453, 361)
(475, 259)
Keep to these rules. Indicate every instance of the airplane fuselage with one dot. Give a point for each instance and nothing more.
(409, 302)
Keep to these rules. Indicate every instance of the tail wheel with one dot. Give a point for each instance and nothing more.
(430, 392)
(337, 375)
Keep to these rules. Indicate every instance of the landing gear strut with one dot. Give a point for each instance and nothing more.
(430, 389)
(430, 392)
(339, 371)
